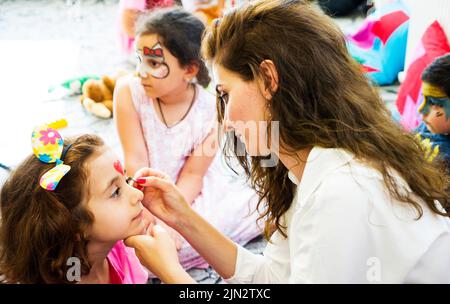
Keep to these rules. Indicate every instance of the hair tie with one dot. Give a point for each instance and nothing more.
(64, 152)
(47, 146)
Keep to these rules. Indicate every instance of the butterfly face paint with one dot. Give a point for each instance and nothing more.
(151, 61)
(118, 167)
(129, 180)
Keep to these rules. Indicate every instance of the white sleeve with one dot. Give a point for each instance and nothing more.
(330, 241)
(434, 266)
(247, 264)
(270, 268)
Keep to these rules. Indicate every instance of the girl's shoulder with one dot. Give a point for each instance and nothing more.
(131, 85)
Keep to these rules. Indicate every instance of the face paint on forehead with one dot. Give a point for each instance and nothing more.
(151, 61)
(155, 51)
(118, 167)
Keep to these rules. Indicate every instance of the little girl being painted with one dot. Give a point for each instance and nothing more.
(165, 120)
(65, 211)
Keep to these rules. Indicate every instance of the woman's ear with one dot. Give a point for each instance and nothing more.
(191, 71)
(269, 78)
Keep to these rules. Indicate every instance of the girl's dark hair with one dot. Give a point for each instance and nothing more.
(438, 73)
(40, 230)
(323, 99)
(180, 32)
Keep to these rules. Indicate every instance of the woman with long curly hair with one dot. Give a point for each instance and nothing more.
(351, 199)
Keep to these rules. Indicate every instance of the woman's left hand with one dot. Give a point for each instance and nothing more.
(157, 252)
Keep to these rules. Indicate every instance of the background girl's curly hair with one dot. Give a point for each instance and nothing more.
(40, 230)
(181, 33)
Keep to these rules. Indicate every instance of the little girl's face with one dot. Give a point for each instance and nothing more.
(116, 205)
(159, 70)
(437, 121)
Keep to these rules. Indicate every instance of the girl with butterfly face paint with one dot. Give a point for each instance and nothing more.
(165, 120)
(151, 62)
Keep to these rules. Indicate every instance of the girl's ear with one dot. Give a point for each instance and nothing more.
(269, 78)
(191, 71)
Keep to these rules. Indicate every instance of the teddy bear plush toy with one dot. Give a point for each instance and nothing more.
(97, 96)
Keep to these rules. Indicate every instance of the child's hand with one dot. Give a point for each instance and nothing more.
(157, 252)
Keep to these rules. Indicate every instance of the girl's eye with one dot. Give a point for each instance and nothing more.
(116, 193)
(154, 64)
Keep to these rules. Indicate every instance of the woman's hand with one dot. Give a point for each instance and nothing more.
(176, 237)
(161, 197)
(157, 252)
(165, 201)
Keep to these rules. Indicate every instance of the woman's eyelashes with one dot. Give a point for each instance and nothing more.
(223, 97)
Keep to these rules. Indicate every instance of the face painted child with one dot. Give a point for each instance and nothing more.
(160, 72)
(435, 109)
(115, 204)
(69, 199)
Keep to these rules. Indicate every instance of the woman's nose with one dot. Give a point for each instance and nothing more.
(227, 122)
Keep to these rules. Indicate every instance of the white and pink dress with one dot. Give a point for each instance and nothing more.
(226, 201)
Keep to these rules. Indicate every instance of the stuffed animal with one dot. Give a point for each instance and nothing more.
(97, 96)
(75, 85)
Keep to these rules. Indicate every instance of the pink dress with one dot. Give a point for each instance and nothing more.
(226, 201)
(127, 42)
(124, 266)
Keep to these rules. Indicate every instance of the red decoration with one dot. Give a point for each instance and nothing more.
(388, 24)
(118, 167)
(153, 52)
(434, 44)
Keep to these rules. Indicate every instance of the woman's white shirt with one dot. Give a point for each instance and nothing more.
(344, 227)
